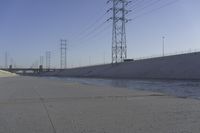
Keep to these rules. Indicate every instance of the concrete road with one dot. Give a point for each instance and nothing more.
(37, 105)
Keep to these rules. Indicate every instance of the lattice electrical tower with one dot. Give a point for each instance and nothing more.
(48, 59)
(42, 61)
(63, 54)
(119, 47)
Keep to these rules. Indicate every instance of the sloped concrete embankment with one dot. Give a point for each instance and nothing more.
(185, 66)
(6, 74)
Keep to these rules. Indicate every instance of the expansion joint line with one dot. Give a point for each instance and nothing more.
(46, 110)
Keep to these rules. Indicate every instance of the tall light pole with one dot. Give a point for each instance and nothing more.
(89, 60)
(6, 60)
(163, 45)
(104, 58)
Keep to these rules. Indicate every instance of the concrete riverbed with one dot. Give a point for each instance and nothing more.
(38, 105)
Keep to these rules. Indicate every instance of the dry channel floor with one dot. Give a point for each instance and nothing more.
(38, 105)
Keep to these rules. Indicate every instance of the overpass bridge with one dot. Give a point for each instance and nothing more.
(30, 70)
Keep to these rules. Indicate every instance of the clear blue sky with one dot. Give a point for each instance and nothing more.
(29, 28)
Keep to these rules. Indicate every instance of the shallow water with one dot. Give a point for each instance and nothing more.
(179, 88)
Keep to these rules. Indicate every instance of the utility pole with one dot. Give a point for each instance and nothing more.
(104, 58)
(48, 59)
(119, 46)
(163, 46)
(63, 54)
(89, 60)
(6, 60)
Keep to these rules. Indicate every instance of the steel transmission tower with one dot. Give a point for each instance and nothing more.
(48, 59)
(119, 47)
(63, 54)
(41, 60)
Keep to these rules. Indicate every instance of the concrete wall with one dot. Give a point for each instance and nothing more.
(185, 66)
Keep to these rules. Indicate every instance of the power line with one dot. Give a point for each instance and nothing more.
(96, 33)
(93, 24)
(100, 32)
(145, 5)
(155, 9)
(90, 27)
(92, 34)
(136, 3)
(94, 30)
